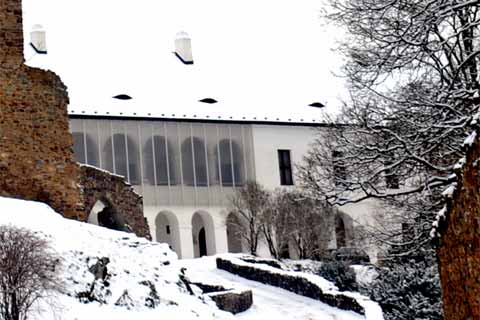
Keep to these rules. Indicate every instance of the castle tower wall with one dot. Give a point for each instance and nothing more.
(36, 154)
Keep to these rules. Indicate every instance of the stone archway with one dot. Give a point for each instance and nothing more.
(234, 230)
(168, 231)
(113, 202)
(203, 234)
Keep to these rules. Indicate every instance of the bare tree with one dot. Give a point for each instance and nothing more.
(312, 224)
(413, 73)
(277, 223)
(28, 272)
(250, 203)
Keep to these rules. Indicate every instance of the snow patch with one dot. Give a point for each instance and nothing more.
(470, 139)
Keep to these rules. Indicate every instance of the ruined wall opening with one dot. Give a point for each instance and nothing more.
(103, 214)
(168, 231)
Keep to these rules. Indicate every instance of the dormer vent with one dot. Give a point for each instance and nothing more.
(38, 39)
(208, 100)
(183, 48)
(122, 97)
(317, 105)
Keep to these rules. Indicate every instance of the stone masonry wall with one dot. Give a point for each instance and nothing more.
(36, 156)
(111, 189)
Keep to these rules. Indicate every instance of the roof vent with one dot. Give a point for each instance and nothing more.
(122, 97)
(38, 39)
(317, 105)
(183, 48)
(208, 100)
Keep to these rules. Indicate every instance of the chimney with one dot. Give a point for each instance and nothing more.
(183, 48)
(38, 40)
(11, 34)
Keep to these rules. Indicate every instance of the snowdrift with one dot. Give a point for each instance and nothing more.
(141, 281)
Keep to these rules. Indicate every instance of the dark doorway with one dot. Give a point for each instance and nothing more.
(202, 242)
(340, 232)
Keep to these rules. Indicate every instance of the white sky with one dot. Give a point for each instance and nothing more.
(256, 57)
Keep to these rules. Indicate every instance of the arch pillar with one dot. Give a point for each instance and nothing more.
(221, 237)
(185, 232)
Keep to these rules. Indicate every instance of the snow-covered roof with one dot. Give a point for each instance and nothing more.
(261, 60)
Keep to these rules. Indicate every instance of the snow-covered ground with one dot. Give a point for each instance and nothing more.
(268, 302)
(134, 262)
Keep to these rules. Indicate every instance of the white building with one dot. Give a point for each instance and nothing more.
(188, 119)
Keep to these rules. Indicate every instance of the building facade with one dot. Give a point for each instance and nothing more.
(186, 171)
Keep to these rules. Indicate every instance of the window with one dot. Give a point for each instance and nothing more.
(121, 157)
(159, 161)
(230, 161)
(82, 142)
(285, 167)
(339, 170)
(194, 163)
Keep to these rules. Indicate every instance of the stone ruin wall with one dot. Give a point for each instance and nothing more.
(36, 146)
(36, 156)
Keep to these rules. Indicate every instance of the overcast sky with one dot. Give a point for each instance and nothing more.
(268, 55)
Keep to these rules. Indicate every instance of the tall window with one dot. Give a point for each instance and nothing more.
(194, 163)
(124, 158)
(229, 157)
(285, 165)
(81, 143)
(339, 170)
(159, 161)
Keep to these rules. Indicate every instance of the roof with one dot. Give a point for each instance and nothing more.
(261, 60)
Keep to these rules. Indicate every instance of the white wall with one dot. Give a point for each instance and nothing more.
(267, 139)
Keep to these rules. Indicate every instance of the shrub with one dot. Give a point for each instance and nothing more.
(28, 272)
(409, 290)
(340, 273)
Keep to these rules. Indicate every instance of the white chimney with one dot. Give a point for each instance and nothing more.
(37, 39)
(183, 48)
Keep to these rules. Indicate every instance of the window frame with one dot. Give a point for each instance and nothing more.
(285, 167)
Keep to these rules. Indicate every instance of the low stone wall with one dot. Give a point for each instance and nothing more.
(296, 284)
(111, 189)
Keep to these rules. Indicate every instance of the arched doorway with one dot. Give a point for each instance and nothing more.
(340, 233)
(234, 231)
(203, 234)
(167, 231)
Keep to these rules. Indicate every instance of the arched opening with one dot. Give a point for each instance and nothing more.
(194, 162)
(203, 234)
(103, 214)
(121, 157)
(229, 158)
(85, 150)
(234, 232)
(340, 233)
(159, 160)
(167, 231)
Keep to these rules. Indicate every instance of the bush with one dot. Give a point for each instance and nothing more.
(339, 273)
(409, 290)
(28, 272)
